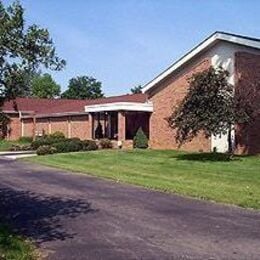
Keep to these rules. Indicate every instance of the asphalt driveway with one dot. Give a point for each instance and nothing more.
(73, 216)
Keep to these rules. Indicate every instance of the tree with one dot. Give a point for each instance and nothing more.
(45, 87)
(136, 89)
(140, 139)
(4, 122)
(23, 50)
(210, 106)
(83, 87)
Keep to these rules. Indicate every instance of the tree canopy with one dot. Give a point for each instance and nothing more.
(83, 87)
(210, 106)
(44, 86)
(23, 50)
(136, 89)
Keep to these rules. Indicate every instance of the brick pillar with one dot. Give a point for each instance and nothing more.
(34, 126)
(49, 126)
(109, 125)
(69, 127)
(90, 123)
(121, 126)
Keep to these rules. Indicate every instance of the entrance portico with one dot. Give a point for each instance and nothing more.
(119, 121)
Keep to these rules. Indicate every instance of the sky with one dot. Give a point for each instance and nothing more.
(125, 43)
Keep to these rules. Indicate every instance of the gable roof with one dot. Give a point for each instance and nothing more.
(211, 40)
(54, 107)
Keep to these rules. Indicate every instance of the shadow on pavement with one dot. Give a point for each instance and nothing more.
(39, 217)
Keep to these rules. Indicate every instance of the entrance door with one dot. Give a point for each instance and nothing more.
(219, 143)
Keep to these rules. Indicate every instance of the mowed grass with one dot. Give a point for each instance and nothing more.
(6, 145)
(204, 176)
(13, 247)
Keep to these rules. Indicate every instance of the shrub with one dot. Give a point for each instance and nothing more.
(105, 143)
(89, 145)
(25, 139)
(57, 135)
(46, 149)
(18, 147)
(140, 139)
(76, 139)
(68, 145)
(47, 140)
(40, 142)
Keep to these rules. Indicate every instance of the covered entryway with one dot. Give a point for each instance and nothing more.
(119, 121)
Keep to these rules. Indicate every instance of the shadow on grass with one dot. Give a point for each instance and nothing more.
(39, 217)
(207, 157)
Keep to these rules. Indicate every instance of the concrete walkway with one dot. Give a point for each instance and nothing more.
(72, 216)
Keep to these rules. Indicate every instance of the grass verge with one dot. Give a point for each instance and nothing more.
(14, 247)
(6, 145)
(206, 176)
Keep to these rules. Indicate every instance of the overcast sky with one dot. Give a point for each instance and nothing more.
(124, 43)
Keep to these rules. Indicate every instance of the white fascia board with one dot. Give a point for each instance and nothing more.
(120, 106)
(55, 115)
(239, 40)
(215, 37)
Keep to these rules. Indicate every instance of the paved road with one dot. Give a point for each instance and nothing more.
(72, 216)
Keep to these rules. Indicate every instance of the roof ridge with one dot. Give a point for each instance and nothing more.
(212, 38)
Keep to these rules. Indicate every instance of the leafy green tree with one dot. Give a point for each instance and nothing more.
(210, 106)
(23, 50)
(83, 87)
(136, 89)
(4, 121)
(45, 87)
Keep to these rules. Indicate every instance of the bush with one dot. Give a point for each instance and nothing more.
(47, 140)
(57, 135)
(46, 149)
(25, 139)
(105, 143)
(140, 139)
(40, 141)
(89, 145)
(68, 145)
(76, 139)
(18, 148)
(64, 145)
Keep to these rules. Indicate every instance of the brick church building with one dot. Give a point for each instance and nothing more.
(121, 116)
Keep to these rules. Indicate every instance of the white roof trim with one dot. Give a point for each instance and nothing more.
(50, 115)
(250, 42)
(123, 106)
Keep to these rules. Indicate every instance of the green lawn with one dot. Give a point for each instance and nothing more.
(6, 145)
(205, 176)
(14, 247)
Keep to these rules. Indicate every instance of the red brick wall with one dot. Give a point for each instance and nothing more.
(121, 126)
(80, 127)
(165, 97)
(247, 84)
(42, 126)
(59, 124)
(15, 127)
(28, 127)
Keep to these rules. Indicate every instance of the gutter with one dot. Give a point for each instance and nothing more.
(55, 115)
